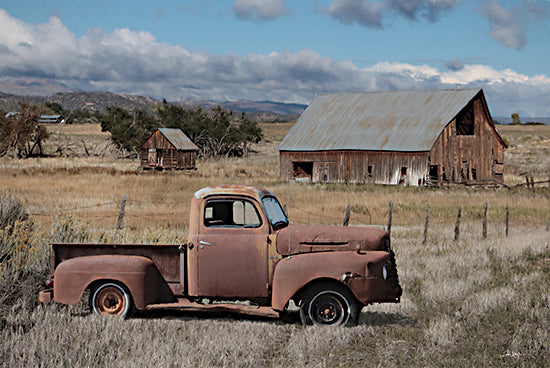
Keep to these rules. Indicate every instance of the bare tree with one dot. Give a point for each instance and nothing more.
(21, 133)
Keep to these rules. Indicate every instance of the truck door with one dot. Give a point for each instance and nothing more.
(231, 252)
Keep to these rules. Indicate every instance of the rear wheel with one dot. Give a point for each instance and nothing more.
(111, 299)
(328, 304)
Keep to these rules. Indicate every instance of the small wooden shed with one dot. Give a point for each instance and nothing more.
(168, 149)
(397, 137)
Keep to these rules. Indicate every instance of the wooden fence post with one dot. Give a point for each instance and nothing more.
(457, 224)
(507, 219)
(347, 215)
(485, 222)
(426, 224)
(119, 223)
(390, 215)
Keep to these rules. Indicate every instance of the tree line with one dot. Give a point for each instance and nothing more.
(216, 132)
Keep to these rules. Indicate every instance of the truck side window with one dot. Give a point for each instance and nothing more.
(231, 213)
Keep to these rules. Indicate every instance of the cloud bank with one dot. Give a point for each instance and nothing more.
(126, 61)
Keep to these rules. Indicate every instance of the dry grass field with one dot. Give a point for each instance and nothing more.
(472, 302)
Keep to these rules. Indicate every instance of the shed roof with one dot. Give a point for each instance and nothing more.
(178, 139)
(378, 121)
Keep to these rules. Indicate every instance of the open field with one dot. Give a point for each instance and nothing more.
(474, 302)
(528, 152)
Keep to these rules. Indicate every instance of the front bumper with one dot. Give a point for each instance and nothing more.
(380, 284)
(46, 296)
(375, 290)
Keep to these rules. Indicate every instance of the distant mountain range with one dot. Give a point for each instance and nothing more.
(39, 92)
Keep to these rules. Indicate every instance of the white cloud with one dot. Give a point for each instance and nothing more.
(257, 10)
(507, 26)
(125, 61)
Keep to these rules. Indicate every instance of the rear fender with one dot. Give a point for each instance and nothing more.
(138, 274)
(293, 273)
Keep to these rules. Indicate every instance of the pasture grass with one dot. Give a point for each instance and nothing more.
(465, 304)
(471, 302)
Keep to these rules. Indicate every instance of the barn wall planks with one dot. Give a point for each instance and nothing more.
(408, 168)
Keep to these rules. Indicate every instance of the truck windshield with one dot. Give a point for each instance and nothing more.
(275, 213)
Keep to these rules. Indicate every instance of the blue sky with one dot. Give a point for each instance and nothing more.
(283, 50)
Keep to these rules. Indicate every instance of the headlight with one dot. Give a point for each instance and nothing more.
(384, 272)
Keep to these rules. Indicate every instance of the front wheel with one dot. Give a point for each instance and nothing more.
(111, 299)
(329, 304)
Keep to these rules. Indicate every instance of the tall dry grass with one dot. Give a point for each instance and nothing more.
(471, 303)
(528, 152)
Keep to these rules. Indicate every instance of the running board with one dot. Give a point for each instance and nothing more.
(183, 303)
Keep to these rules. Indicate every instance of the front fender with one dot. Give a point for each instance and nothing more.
(139, 274)
(293, 273)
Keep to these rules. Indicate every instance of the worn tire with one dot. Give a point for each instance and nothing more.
(329, 304)
(111, 299)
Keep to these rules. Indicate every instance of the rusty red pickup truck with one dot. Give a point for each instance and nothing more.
(242, 255)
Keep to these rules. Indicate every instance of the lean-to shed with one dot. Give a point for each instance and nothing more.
(168, 149)
(397, 137)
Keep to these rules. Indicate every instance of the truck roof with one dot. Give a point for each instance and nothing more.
(251, 191)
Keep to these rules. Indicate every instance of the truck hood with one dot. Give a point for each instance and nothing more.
(296, 239)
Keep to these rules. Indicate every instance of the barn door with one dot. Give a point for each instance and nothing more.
(152, 157)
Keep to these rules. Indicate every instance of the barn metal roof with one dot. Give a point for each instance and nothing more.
(378, 121)
(178, 139)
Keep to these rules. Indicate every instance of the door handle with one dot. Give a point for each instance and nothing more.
(205, 243)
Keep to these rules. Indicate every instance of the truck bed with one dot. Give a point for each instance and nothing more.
(165, 256)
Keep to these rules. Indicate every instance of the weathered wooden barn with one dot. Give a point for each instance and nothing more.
(168, 149)
(398, 137)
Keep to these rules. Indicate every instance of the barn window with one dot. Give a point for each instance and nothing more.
(403, 175)
(369, 171)
(302, 170)
(433, 174)
(474, 174)
(465, 121)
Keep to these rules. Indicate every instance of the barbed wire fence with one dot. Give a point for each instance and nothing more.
(121, 213)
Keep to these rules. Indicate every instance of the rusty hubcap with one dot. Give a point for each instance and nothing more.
(110, 301)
